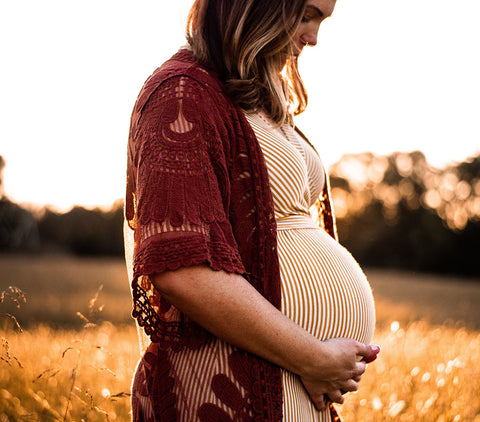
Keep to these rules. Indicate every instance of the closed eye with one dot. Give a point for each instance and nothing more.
(312, 13)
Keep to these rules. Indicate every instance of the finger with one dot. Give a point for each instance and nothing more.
(360, 368)
(370, 359)
(348, 386)
(357, 378)
(370, 353)
(320, 403)
(336, 397)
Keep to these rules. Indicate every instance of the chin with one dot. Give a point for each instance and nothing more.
(298, 51)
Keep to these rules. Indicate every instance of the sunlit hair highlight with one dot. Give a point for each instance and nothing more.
(248, 43)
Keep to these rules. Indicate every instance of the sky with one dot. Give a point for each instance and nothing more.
(386, 75)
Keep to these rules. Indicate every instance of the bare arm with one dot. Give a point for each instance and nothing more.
(229, 307)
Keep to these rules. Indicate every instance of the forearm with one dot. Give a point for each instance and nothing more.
(230, 308)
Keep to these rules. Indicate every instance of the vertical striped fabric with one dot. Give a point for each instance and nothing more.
(323, 288)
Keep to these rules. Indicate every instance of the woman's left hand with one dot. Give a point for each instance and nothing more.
(324, 391)
(321, 393)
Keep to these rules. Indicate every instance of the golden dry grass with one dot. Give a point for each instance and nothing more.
(427, 371)
(55, 375)
(424, 373)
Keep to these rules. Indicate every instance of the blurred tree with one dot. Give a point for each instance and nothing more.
(398, 211)
(2, 166)
(84, 232)
(18, 228)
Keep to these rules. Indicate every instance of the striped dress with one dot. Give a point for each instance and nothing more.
(323, 288)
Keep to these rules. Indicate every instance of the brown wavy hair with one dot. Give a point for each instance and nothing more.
(248, 44)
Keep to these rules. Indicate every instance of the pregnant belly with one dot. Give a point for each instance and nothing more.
(323, 288)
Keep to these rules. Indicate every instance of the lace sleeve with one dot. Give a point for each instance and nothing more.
(180, 182)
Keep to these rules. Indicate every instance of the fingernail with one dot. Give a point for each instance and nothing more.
(375, 350)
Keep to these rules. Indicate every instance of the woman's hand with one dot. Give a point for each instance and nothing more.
(339, 372)
(230, 308)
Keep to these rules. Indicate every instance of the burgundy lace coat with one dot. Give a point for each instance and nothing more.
(198, 193)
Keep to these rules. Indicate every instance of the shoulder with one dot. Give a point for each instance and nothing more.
(184, 68)
(182, 90)
(183, 63)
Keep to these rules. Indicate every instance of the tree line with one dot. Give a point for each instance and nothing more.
(393, 211)
(399, 212)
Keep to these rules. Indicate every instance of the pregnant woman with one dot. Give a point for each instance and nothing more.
(252, 309)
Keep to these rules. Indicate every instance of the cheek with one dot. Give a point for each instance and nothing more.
(300, 31)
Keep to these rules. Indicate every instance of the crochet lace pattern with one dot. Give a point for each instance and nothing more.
(198, 193)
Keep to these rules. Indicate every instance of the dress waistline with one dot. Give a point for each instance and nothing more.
(296, 222)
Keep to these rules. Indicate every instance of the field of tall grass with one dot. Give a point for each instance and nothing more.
(71, 352)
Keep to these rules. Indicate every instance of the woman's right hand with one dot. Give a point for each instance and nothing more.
(338, 370)
(228, 306)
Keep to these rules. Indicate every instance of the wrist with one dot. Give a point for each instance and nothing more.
(314, 360)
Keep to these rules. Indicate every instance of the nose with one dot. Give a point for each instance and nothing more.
(310, 40)
(309, 37)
